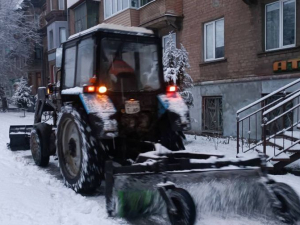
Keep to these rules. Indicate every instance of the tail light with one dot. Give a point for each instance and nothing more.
(102, 89)
(92, 89)
(172, 88)
(89, 89)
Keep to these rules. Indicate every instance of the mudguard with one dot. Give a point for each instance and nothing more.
(177, 111)
(100, 109)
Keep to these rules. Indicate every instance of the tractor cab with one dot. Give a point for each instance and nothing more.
(116, 74)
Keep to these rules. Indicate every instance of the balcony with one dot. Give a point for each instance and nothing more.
(55, 15)
(162, 13)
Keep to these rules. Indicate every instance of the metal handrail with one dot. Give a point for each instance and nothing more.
(270, 107)
(266, 106)
(269, 95)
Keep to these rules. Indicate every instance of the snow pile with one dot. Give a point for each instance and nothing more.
(176, 104)
(34, 196)
(102, 106)
(72, 91)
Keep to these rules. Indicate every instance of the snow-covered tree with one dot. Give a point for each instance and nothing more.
(18, 36)
(22, 95)
(3, 98)
(176, 63)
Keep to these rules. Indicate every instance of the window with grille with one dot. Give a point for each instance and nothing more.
(212, 114)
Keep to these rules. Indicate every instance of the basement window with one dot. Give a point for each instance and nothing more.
(280, 25)
(212, 114)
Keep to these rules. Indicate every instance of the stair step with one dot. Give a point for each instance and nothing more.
(270, 152)
(287, 143)
(295, 135)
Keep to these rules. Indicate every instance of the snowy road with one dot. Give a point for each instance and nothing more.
(33, 196)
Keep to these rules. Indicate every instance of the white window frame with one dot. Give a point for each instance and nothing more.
(165, 37)
(51, 47)
(214, 40)
(129, 6)
(63, 4)
(113, 14)
(51, 5)
(281, 25)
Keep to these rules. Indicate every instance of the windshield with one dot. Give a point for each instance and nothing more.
(129, 66)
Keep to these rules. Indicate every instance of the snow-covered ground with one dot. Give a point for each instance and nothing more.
(33, 196)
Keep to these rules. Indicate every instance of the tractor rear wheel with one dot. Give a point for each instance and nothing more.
(77, 152)
(186, 209)
(289, 211)
(39, 143)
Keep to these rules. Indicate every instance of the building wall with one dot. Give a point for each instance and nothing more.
(235, 95)
(123, 18)
(55, 28)
(244, 39)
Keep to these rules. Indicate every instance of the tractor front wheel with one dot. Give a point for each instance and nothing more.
(39, 144)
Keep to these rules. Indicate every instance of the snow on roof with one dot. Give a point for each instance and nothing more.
(139, 30)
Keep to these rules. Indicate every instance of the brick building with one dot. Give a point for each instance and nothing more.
(54, 30)
(239, 50)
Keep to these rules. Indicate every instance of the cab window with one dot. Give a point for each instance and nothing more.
(69, 67)
(85, 62)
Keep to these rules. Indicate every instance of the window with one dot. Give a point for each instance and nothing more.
(212, 114)
(144, 2)
(69, 67)
(214, 40)
(165, 40)
(38, 54)
(280, 24)
(80, 18)
(62, 34)
(61, 4)
(51, 5)
(86, 15)
(112, 7)
(129, 65)
(85, 62)
(135, 3)
(51, 40)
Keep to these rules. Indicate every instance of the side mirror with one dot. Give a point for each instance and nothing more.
(58, 57)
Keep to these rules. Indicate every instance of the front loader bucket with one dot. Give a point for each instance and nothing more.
(20, 137)
(215, 188)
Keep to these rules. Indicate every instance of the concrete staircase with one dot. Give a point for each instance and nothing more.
(282, 151)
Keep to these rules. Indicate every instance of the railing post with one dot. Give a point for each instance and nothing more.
(265, 120)
(238, 133)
